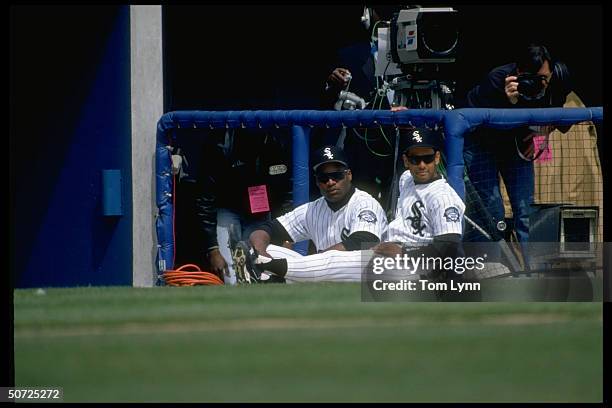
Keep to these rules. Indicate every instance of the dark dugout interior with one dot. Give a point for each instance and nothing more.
(278, 56)
(245, 56)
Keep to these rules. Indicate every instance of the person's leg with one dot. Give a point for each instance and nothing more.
(282, 252)
(519, 182)
(518, 175)
(341, 266)
(483, 197)
(226, 221)
(329, 266)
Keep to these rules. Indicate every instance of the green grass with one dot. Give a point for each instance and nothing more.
(307, 342)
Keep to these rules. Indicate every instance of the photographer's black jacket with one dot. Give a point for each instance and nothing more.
(226, 172)
(490, 93)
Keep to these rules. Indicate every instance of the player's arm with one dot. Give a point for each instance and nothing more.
(442, 246)
(446, 245)
(267, 233)
(367, 223)
(356, 241)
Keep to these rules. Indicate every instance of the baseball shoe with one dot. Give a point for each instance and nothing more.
(243, 257)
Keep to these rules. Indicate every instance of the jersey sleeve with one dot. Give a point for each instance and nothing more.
(446, 215)
(366, 214)
(404, 179)
(295, 223)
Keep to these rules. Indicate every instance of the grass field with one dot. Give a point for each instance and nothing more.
(307, 342)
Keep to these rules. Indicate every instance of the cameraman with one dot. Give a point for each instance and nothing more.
(354, 71)
(533, 81)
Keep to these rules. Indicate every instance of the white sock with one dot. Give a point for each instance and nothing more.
(262, 259)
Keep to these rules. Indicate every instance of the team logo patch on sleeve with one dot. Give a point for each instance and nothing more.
(451, 214)
(367, 216)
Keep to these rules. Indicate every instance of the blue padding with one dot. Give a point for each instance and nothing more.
(311, 118)
(456, 124)
(301, 174)
(163, 197)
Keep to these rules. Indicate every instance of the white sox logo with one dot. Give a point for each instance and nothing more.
(345, 234)
(415, 222)
(416, 136)
(327, 153)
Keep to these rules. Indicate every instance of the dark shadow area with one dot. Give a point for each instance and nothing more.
(69, 101)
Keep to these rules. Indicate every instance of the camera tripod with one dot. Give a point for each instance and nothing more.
(422, 93)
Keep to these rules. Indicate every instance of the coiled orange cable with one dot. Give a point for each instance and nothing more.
(184, 277)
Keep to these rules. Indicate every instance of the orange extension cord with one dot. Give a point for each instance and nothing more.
(184, 277)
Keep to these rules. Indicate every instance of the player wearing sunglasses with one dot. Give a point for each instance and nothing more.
(428, 222)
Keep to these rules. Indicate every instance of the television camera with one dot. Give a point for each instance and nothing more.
(412, 47)
(422, 38)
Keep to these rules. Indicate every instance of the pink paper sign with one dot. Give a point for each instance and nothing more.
(258, 198)
(546, 155)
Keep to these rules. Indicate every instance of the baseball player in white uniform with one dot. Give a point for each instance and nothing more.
(343, 219)
(428, 222)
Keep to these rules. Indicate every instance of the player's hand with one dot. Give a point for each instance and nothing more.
(511, 89)
(339, 78)
(217, 263)
(388, 249)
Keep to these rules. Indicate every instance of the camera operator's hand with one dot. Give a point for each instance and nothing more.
(339, 78)
(511, 89)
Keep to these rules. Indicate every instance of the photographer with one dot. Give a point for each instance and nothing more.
(533, 81)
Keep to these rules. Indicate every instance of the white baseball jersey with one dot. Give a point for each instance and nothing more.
(325, 227)
(425, 211)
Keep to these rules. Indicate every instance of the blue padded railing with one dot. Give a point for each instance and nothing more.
(456, 124)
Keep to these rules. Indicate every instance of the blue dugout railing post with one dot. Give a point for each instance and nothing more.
(301, 173)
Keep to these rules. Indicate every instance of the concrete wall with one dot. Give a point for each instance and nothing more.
(147, 108)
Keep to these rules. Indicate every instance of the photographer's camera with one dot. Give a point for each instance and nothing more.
(531, 86)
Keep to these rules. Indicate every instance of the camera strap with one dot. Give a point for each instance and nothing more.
(543, 146)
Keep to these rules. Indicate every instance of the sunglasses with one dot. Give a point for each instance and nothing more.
(335, 175)
(427, 158)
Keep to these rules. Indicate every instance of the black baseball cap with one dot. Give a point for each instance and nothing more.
(328, 154)
(420, 137)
